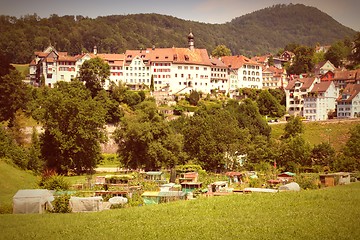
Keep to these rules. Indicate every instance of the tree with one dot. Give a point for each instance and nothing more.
(293, 127)
(248, 117)
(221, 51)
(212, 135)
(94, 73)
(268, 105)
(35, 161)
(337, 53)
(355, 53)
(152, 88)
(302, 61)
(74, 128)
(351, 150)
(113, 111)
(322, 154)
(146, 140)
(14, 95)
(294, 152)
(194, 98)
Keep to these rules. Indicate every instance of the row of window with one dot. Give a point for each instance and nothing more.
(218, 69)
(251, 73)
(69, 69)
(251, 67)
(66, 63)
(161, 64)
(162, 70)
(191, 68)
(251, 79)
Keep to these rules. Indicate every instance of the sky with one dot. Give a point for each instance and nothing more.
(347, 12)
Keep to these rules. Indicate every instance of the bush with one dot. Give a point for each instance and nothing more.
(308, 181)
(54, 182)
(61, 204)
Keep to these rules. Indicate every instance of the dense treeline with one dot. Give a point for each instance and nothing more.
(260, 32)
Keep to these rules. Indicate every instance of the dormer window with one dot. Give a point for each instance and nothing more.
(186, 57)
(142, 56)
(129, 56)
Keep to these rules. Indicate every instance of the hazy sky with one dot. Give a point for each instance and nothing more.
(346, 12)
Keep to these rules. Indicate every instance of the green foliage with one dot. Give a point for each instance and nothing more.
(194, 98)
(221, 51)
(355, 53)
(9, 149)
(302, 61)
(35, 163)
(113, 111)
(73, 124)
(210, 134)
(293, 153)
(94, 73)
(14, 95)
(308, 181)
(61, 204)
(322, 154)
(248, 117)
(268, 105)
(293, 127)
(337, 53)
(53, 182)
(145, 140)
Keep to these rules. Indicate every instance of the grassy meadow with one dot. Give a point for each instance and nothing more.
(334, 131)
(13, 179)
(331, 213)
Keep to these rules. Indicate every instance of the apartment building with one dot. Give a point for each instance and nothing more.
(296, 91)
(320, 101)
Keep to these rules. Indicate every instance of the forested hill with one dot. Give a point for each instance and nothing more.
(259, 32)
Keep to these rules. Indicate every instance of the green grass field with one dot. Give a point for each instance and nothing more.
(331, 213)
(13, 179)
(316, 132)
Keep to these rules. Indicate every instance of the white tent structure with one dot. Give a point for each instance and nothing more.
(86, 204)
(32, 201)
(293, 186)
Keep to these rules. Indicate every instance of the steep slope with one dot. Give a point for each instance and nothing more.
(13, 179)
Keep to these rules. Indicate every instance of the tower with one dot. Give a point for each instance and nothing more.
(191, 41)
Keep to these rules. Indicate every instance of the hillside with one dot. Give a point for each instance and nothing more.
(13, 179)
(336, 132)
(262, 31)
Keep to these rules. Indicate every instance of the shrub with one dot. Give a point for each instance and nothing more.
(308, 181)
(61, 204)
(54, 182)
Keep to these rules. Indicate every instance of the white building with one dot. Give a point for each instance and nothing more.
(296, 91)
(348, 103)
(320, 101)
(273, 78)
(249, 72)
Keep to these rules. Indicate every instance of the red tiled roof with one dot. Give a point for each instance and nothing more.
(321, 87)
(217, 62)
(306, 83)
(345, 75)
(237, 61)
(352, 90)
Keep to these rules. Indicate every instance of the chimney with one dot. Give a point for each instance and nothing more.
(153, 47)
(95, 50)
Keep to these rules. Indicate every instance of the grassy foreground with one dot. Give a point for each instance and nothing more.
(331, 213)
(13, 179)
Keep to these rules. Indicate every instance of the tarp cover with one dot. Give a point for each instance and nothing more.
(86, 204)
(32, 201)
(293, 186)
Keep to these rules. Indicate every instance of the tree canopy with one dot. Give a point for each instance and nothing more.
(94, 73)
(73, 124)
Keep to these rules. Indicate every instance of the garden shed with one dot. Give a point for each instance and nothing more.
(86, 204)
(32, 201)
